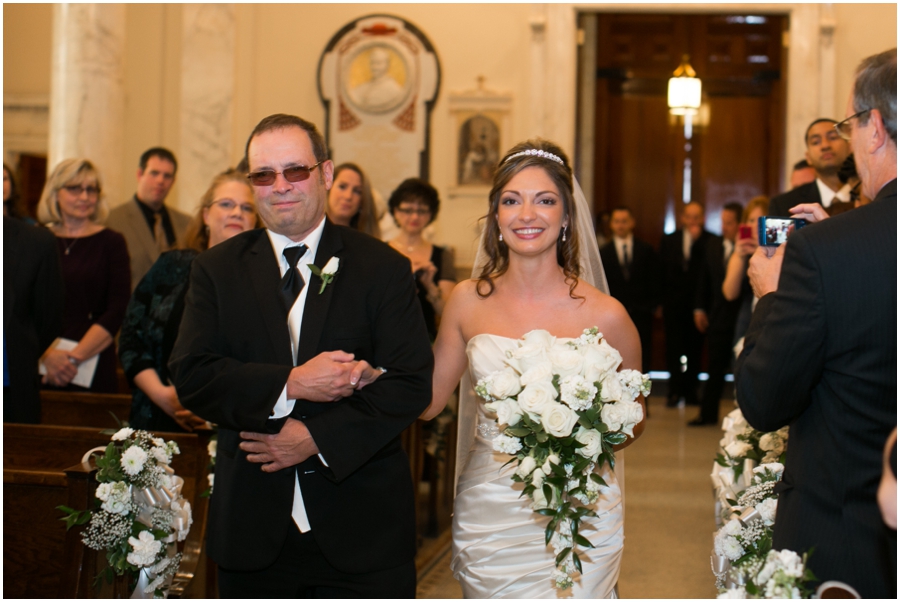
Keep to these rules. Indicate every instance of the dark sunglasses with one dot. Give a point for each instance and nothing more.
(294, 174)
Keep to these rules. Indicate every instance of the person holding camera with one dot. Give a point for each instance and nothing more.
(820, 355)
(414, 205)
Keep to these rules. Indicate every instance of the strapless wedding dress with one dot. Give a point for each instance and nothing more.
(498, 540)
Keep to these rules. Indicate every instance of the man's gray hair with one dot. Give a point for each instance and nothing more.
(876, 88)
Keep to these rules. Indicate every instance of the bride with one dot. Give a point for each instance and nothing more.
(530, 274)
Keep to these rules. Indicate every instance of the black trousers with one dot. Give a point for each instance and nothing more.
(301, 571)
(721, 355)
(682, 339)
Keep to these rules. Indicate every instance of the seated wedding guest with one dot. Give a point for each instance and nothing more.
(154, 313)
(633, 273)
(13, 204)
(820, 355)
(802, 173)
(350, 201)
(414, 205)
(736, 285)
(149, 225)
(32, 314)
(96, 274)
(715, 315)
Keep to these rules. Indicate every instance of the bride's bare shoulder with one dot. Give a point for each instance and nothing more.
(600, 304)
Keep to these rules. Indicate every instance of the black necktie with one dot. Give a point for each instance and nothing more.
(626, 264)
(292, 282)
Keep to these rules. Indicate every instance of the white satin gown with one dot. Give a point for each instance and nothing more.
(498, 540)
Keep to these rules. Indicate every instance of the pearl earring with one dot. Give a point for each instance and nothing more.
(501, 237)
(564, 233)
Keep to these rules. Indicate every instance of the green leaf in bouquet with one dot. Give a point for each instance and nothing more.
(582, 541)
(510, 461)
(558, 470)
(576, 443)
(548, 533)
(754, 455)
(586, 422)
(546, 512)
(721, 461)
(615, 438)
(581, 465)
(530, 441)
(577, 561)
(517, 431)
(598, 479)
(541, 437)
(751, 588)
(602, 428)
(562, 556)
(548, 492)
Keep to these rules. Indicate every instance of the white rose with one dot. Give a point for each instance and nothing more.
(526, 357)
(526, 467)
(508, 411)
(537, 478)
(211, 477)
(738, 449)
(212, 447)
(614, 415)
(541, 338)
(634, 413)
(611, 389)
(332, 266)
(738, 593)
(767, 509)
(566, 360)
(558, 420)
(504, 383)
(600, 361)
(536, 396)
(551, 459)
(133, 460)
(542, 372)
(592, 440)
(540, 501)
(122, 434)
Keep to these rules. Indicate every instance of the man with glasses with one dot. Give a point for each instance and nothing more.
(148, 225)
(826, 151)
(820, 355)
(281, 329)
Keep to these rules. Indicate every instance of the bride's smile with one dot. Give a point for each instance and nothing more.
(530, 213)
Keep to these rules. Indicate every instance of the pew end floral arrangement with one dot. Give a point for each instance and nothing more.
(139, 512)
(561, 409)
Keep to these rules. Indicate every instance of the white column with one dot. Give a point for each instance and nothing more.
(207, 98)
(87, 95)
(538, 90)
(804, 75)
(561, 60)
(586, 116)
(827, 62)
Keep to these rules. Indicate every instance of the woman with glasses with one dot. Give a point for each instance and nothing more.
(414, 205)
(154, 313)
(96, 272)
(350, 200)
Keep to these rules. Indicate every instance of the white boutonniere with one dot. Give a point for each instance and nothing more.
(327, 273)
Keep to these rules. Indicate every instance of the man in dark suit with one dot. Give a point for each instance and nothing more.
(313, 496)
(714, 315)
(682, 255)
(825, 152)
(32, 314)
(821, 356)
(634, 277)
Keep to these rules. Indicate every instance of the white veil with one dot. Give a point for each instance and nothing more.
(591, 271)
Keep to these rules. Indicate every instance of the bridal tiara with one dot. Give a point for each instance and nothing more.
(536, 153)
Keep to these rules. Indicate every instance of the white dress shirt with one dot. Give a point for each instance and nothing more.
(625, 248)
(828, 195)
(686, 243)
(284, 406)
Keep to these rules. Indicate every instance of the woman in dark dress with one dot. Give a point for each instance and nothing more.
(414, 205)
(96, 274)
(154, 313)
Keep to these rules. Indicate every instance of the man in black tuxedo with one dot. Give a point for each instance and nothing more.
(634, 277)
(825, 152)
(682, 255)
(32, 314)
(313, 494)
(714, 315)
(821, 356)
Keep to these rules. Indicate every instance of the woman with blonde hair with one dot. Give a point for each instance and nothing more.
(350, 200)
(154, 313)
(96, 273)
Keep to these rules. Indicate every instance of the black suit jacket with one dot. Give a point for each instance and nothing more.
(722, 314)
(641, 292)
(680, 277)
(821, 355)
(32, 312)
(231, 361)
(807, 193)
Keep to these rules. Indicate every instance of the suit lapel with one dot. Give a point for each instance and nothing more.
(316, 309)
(265, 275)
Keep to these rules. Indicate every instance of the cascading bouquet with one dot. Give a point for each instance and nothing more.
(140, 514)
(780, 574)
(561, 408)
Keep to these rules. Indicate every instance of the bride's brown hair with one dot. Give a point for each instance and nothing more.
(497, 252)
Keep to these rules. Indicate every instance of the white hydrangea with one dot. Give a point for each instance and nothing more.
(118, 498)
(507, 445)
(632, 382)
(102, 492)
(133, 460)
(577, 392)
(159, 454)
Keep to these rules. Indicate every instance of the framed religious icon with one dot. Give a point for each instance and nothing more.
(481, 120)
